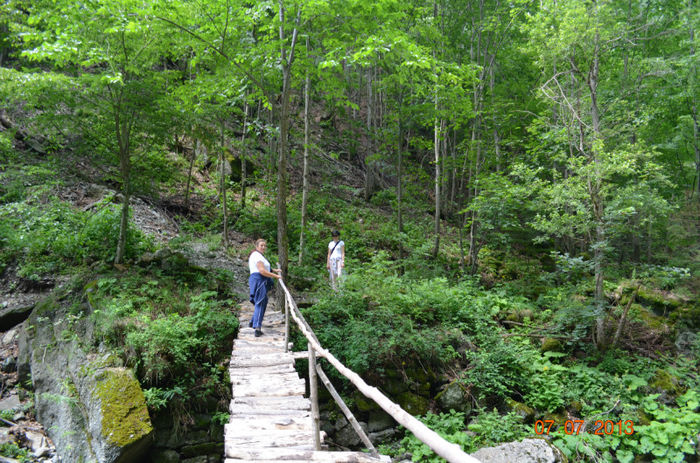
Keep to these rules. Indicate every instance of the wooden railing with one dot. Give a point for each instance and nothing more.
(449, 451)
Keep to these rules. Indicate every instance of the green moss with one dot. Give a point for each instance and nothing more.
(363, 403)
(124, 414)
(657, 300)
(550, 345)
(413, 403)
(45, 307)
(687, 316)
(665, 381)
(648, 317)
(528, 413)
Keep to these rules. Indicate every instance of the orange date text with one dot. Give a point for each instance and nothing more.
(600, 427)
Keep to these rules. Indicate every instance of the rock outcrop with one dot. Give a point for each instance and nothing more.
(93, 409)
(527, 451)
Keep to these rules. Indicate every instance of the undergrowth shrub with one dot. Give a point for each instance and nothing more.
(487, 429)
(174, 330)
(49, 237)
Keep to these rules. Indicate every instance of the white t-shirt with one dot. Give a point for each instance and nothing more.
(253, 260)
(338, 251)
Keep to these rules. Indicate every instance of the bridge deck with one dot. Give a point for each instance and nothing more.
(270, 417)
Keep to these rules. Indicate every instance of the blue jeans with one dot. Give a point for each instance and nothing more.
(259, 286)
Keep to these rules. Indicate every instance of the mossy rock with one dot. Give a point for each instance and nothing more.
(513, 316)
(413, 403)
(666, 382)
(558, 418)
(363, 403)
(453, 397)
(202, 449)
(395, 386)
(527, 413)
(165, 456)
(125, 419)
(575, 406)
(45, 307)
(687, 316)
(648, 317)
(659, 302)
(550, 345)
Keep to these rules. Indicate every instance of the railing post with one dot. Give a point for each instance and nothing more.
(286, 324)
(313, 392)
(346, 411)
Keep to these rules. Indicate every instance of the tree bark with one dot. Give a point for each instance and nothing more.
(594, 191)
(436, 146)
(305, 174)
(190, 168)
(369, 172)
(222, 186)
(399, 168)
(286, 60)
(694, 100)
(122, 130)
(244, 167)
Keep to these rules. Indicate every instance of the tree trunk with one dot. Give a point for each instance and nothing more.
(222, 186)
(399, 184)
(193, 156)
(496, 135)
(369, 173)
(694, 100)
(436, 145)
(244, 167)
(305, 175)
(594, 189)
(287, 60)
(123, 137)
(473, 245)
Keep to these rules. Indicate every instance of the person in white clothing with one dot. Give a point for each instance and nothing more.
(335, 262)
(260, 282)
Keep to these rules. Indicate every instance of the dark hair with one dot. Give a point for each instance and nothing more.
(335, 233)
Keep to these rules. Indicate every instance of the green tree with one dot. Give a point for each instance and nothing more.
(596, 174)
(111, 50)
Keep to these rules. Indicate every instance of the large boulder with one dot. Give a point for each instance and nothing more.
(527, 451)
(94, 410)
(454, 397)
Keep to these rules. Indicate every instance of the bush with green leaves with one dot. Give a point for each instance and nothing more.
(487, 429)
(48, 237)
(671, 435)
(12, 450)
(450, 426)
(174, 330)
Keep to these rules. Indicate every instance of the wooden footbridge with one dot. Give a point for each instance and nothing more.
(271, 420)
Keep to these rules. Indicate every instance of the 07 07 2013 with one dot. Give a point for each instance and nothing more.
(600, 427)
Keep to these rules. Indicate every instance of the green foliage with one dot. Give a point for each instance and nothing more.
(495, 370)
(172, 329)
(664, 277)
(492, 428)
(487, 429)
(449, 425)
(12, 450)
(7, 415)
(672, 433)
(7, 153)
(52, 236)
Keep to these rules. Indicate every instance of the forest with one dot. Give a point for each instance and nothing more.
(517, 185)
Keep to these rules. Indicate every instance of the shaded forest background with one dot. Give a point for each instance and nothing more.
(517, 184)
